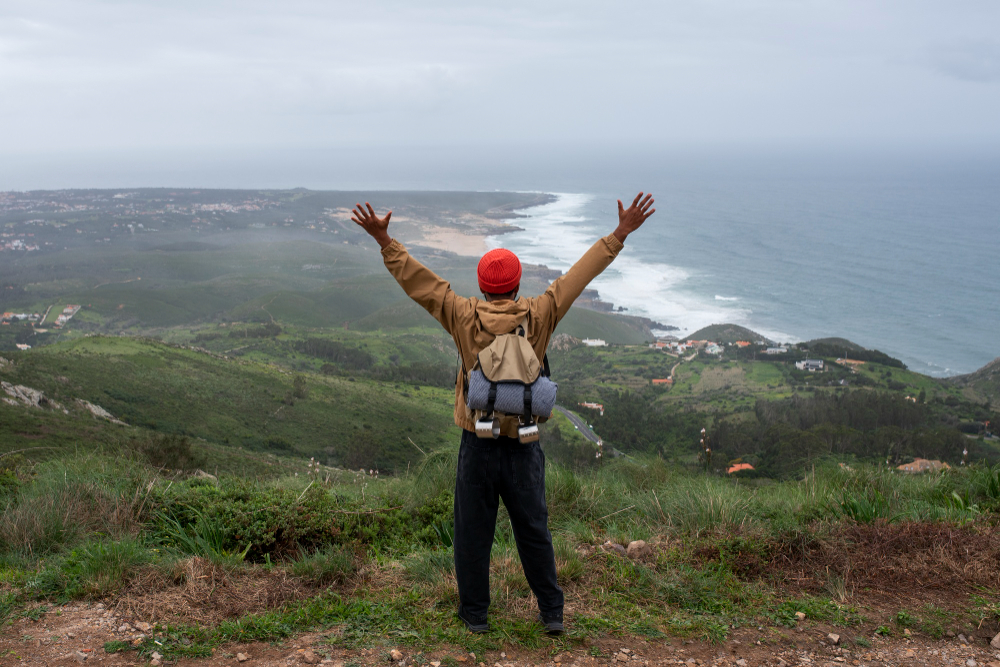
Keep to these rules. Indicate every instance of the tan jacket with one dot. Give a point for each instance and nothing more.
(474, 323)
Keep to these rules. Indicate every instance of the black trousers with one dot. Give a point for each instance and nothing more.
(489, 470)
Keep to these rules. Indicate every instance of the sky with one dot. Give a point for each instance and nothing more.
(82, 78)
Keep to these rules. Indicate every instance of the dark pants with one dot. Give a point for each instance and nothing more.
(489, 470)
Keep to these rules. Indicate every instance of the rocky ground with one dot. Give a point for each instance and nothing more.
(76, 634)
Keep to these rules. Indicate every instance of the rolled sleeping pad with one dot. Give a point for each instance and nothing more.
(510, 395)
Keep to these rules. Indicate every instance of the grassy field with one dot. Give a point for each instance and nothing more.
(370, 557)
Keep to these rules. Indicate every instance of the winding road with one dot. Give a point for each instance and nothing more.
(580, 424)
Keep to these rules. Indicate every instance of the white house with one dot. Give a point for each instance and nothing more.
(776, 350)
(810, 365)
(595, 342)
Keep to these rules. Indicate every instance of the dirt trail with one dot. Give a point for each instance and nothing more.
(76, 633)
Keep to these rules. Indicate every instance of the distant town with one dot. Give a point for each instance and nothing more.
(56, 220)
(38, 320)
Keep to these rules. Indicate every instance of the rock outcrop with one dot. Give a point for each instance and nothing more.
(33, 398)
(100, 412)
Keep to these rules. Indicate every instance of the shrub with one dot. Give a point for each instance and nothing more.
(865, 508)
(430, 567)
(277, 522)
(204, 537)
(269, 330)
(341, 355)
(70, 500)
(93, 570)
(330, 565)
(173, 452)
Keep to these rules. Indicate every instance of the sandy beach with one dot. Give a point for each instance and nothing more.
(453, 240)
(464, 235)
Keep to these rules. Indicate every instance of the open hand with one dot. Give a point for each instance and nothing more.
(631, 219)
(377, 228)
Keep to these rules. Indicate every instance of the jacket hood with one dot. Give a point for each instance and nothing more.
(500, 317)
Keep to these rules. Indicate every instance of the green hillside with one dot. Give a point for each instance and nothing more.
(835, 342)
(257, 406)
(982, 385)
(726, 333)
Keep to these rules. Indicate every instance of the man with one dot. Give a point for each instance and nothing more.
(491, 469)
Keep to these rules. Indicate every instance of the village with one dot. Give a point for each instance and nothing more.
(17, 244)
(57, 220)
(38, 320)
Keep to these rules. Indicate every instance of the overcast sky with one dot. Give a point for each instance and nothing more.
(86, 75)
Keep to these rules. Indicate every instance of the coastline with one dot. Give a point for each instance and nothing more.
(469, 236)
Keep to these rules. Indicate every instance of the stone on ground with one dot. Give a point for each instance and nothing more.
(610, 546)
(638, 549)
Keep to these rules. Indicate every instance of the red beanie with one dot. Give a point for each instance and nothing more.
(499, 272)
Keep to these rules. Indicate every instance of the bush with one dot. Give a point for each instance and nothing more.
(336, 352)
(240, 516)
(204, 537)
(430, 567)
(93, 570)
(269, 330)
(173, 452)
(70, 500)
(327, 566)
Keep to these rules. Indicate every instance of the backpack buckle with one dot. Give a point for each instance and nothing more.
(488, 427)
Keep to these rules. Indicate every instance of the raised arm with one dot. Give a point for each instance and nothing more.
(561, 294)
(631, 219)
(421, 284)
(376, 227)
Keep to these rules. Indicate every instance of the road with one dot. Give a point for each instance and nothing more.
(580, 424)
(679, 362)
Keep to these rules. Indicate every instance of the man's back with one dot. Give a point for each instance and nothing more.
(473, 323)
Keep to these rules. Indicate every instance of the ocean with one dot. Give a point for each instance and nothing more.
(904, 261)
(892, 249)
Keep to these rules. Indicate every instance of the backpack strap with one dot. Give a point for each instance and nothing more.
(491, 401)
(522, 328)
(527, 403)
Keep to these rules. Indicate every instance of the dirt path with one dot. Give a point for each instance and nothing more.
(76, 634)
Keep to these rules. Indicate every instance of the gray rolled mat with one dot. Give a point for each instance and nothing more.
(510, 395)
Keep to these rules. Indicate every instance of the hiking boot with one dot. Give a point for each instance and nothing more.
(553, 626)
(475, 628)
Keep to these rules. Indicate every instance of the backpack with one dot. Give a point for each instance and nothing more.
(508, 380)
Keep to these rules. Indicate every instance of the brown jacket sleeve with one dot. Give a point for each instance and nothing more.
(424, 286)
(553, 305)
